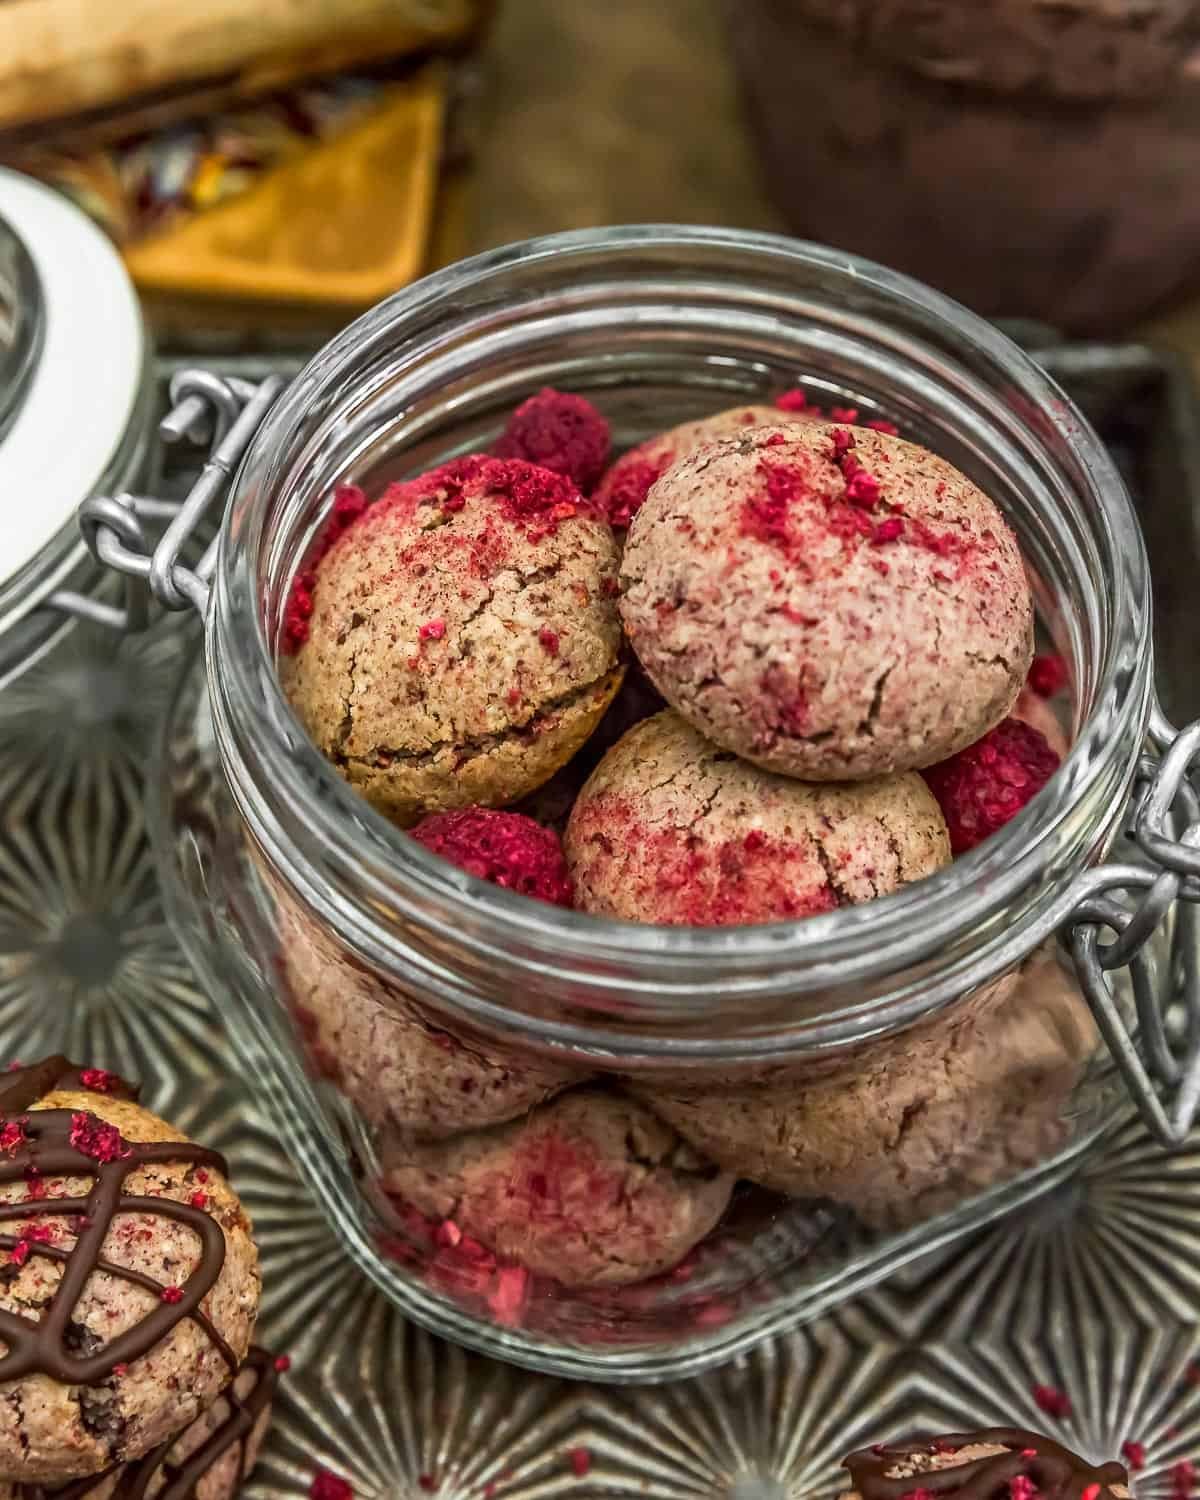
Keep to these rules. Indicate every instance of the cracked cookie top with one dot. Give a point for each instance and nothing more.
(130, 1281)
(828, 603)
(589, 1189)
(462, 638)
(670, 828)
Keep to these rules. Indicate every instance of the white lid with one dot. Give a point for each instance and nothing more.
(84, 389)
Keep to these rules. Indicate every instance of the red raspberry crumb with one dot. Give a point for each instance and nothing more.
(19, 1253)
(1021, 1487)
(625, 487)
(842, 442)
(14, 1067)
(284, 1363)
(549, 640)
(506, 848)
(40, 1234)
(1029, 1453)
(877, 424)
(327, 1485)
(1134, 1455)
(92, 1137)
(943, 1445)
(887, 531)
(12, 1135)
(794, 400)
(507, 1298)
(918, 1494)
(199, 1200)
(1183, 1477)
(1048, 675)
(427, 1482)
(120, 1369)
(448, 1233)
(98, 1080)
(581, 1461)
(843, 413)
(1053, 1402)
(432, 630)
(561, 432)
(489, 1489)
(863, 489)
(984, 786)
(172, 1294)
(1091, 1492)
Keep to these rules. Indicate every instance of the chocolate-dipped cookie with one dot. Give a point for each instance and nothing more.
(209, 1460)
(130, 1284)
(996, 1463)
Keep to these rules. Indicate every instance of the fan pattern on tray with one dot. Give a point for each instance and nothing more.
(1093, 1290)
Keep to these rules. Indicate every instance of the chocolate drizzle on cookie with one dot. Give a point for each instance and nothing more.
(157, 1474)
(1054, 1471)
(69, 1143)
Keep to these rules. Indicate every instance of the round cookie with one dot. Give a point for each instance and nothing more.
(916, 1122)
(831, 604)
(671, 829)
(996, 1463)
(131, 1285)
(401, 1070)
(591, 1189)
(620, 494)
(209, 1460)
(463, 639)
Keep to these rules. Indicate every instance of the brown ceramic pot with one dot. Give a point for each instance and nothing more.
(1030, 157)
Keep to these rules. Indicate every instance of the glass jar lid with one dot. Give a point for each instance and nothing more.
(73, 357)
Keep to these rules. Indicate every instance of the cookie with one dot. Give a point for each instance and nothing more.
(591, 1189)
(209, 1460)
(620, 494)
(462, 639)
(671, 829)
(830, 604)
(914, 1122)
(131, 1284)
(996, 1463)
(398, 1064)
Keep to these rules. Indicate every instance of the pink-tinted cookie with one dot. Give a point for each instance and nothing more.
(591, 1189)
(620, 494)
(671, 829)
(831, 603)
(916, 1122)
(463, 639)
(400, 1065)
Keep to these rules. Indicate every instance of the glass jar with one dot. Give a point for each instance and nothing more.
(76, 406)
(472, 1082)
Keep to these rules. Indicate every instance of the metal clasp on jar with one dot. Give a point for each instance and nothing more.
(1155, 1043)
(224, 412)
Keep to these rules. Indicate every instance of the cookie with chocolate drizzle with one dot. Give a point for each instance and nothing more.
(996, 1463)
(129, 1280)
(209, 1460)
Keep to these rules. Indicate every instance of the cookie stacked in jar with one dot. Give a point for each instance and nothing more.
(765, 665)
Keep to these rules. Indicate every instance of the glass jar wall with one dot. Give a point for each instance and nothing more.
(607, 1148)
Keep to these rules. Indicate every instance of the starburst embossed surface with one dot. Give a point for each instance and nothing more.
(1094, 1289)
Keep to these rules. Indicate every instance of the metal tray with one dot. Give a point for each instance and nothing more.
(1093, 1290)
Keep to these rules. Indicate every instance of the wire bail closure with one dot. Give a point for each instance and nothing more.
(226, 414)
(1155, 1042)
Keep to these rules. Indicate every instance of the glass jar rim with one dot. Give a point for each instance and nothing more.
(398, 875)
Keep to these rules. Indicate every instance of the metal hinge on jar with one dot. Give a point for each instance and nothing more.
(224, 412)
(1161, 1067)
